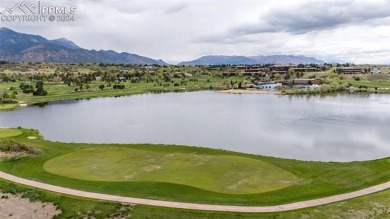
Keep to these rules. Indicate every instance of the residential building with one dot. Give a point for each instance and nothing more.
(271, 86)
(351, 70)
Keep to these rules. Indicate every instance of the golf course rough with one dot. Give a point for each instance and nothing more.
(222, 173)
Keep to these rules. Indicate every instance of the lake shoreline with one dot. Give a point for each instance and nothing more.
(245, 91)
(243, 123)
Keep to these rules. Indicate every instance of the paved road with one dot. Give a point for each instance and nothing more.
(192, 206)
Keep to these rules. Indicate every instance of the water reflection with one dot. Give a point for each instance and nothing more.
(328, 128)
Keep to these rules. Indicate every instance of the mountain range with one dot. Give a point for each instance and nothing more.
(251, 60)
(21, 47)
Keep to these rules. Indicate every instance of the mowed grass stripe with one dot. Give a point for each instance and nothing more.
(222, 173)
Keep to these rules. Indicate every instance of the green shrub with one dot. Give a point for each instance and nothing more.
(8, 101)
(11, 146)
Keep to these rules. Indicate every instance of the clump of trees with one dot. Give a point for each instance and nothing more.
(118, 86)
(38, 91)
(6, 96)
(26, 88)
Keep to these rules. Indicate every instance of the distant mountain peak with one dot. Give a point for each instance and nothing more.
(63, 39)
(251, 60)
(21, 47)
(65, 43)
(6, 29)
(219, 60)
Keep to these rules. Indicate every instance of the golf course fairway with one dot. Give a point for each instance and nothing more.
(186, 174)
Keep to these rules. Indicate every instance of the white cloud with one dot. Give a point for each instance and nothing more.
(176, 30)
(311, 16)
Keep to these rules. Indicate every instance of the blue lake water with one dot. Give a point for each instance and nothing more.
(330, 128)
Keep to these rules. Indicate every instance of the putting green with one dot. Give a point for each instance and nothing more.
(217, 173)
(5, 133)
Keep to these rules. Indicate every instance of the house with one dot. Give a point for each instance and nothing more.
(307, 69)
(376, 71)
(272, 86)
(265, 78)
(249, 71)
(281, 69)
(242, 67)
(302, 81)
(350, 70)
(122, 78)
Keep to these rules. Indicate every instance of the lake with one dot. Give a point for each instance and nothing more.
(328, 128)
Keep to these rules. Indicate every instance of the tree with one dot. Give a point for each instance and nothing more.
(26, 88)
(291, 72)
(39, 85)
(39, 89)
(101, 87)
(118, 86)
(3, 94)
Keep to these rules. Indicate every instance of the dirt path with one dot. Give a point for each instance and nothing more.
(192, 206)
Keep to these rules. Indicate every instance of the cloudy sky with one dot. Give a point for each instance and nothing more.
(355, 31)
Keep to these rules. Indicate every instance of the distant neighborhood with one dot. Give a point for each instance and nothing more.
(31, 58)
(301, 76)
(20, 82)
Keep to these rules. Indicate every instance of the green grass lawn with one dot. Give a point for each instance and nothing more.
(8, 106)
(61, 91)
(305, 180)
(218, 173)
(5, 133)
(369, 84)
(311, 179)
(374, 206)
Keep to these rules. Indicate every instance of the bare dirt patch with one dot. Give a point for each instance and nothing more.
(7, 155)
(14, 206)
